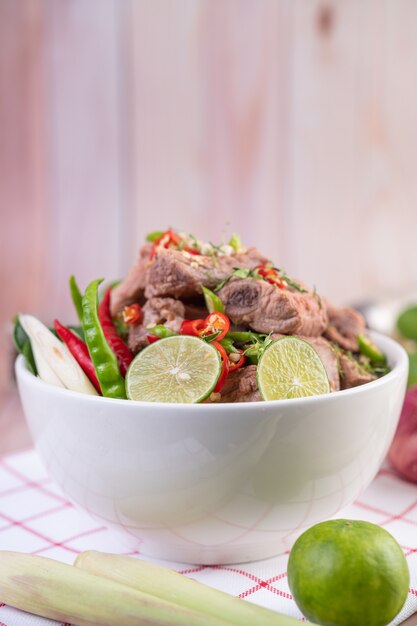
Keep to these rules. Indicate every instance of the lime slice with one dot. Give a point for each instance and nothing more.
(176, 369)
(291, 368)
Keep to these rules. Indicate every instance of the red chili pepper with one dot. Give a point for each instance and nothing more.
(215, 322)
(262, 270)
(132, 313)
(191, 327)
(79, 351)
(164, 241)
(276, 280)
(192, 251)
(271, 275)
(225, 366)
(152, 338)
(122, 352)
(236, 365)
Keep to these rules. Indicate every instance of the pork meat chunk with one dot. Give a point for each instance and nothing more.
(329, 359)
(352, 374)
(165, 311)
(241, 386)
(132, 288)
(265, 308)
(344, 327)
(180, 274)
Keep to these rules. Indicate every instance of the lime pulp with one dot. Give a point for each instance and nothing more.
(175, 369)
(291, 368)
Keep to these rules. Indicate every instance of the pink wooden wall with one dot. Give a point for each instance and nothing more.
(292, 122)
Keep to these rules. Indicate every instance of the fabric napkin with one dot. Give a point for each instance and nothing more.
(36, 517)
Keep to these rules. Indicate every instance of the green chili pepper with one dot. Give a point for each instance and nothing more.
(23, 345)
(105, 362)
(213, 302)
(228, 345)
(371, 350)
(236, 242)
(154, 235)
(161, 331)
(245, 337)
(76, 297)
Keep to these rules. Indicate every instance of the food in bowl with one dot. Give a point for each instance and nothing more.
(195, 322)
(215, 482)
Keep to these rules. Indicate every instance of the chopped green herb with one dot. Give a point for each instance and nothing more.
(290, 282)
(236, 242)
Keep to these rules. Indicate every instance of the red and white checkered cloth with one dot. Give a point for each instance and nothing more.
(36, 517)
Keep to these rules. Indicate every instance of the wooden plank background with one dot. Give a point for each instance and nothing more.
(292, 122)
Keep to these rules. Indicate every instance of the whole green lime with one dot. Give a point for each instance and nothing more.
(348, 573)
(407, 323)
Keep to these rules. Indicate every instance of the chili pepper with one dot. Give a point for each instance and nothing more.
(228, 345)
(79, 351)
(76, 297)
(105, 362)
(225, 366)
(132, 313)
(213, 302)
(276, 280)
(270, 274)
(192, 251)
(152, 338)
(164, 241)
(244, 336)
(191, 327)
(240, 360)
(116, 343)
(215, 323)
(160, 331)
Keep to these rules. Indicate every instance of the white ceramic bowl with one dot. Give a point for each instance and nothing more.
(215, 483)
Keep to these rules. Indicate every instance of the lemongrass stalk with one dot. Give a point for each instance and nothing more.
(68, 594)
(168, 585)
(54, 361)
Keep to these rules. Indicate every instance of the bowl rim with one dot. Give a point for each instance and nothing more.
(397, 357)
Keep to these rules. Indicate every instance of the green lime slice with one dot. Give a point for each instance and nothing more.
(368, 348)
(291, 368)
(176, 369)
